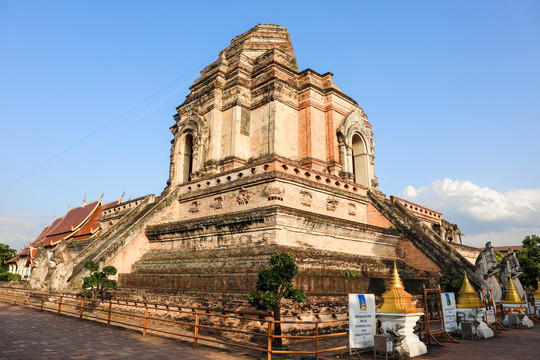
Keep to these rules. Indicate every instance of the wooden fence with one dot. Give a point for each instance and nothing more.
(192, 323)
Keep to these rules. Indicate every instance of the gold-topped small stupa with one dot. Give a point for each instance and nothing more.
(396, 299)
(537, 292)
(512, 296)
(467, 297)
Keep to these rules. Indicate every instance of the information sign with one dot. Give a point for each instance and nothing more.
(361, 320)
(448, 301)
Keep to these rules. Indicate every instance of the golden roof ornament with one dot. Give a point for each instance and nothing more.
(396, 299)
(537, 292)
(467, 297)
(512, 296)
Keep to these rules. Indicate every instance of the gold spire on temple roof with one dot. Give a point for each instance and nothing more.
(121, 198)
(467, 297)
(396, 299)
(84, 200)
(512, 296)
(537, 292)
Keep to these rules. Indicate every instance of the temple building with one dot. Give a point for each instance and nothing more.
(266, 158)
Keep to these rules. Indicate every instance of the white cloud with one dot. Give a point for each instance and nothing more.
(17, 233)
(483, 214)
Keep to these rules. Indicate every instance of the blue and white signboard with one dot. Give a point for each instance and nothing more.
(361, 320)
(449, 311)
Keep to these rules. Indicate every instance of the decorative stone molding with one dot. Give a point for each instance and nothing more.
(352, 209)
(274, 192)
(305, 198)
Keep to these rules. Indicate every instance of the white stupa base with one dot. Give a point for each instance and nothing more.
(483, 331)
(524, 321)
(403, 324)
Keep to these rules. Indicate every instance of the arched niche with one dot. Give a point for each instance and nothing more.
(356, 147)
(189, 149)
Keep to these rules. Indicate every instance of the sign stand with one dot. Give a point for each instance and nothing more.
(531, 305)
(491, 311)
(434, 319)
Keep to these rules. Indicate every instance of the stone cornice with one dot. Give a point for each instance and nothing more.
(264, 215)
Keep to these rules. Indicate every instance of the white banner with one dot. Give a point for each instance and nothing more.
(361, 320)
(448, 301)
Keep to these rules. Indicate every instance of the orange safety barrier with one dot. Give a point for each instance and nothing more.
(76, 305)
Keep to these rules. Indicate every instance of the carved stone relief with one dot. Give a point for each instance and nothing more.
(352, 209)
(217, 204)
(243, 197)
(331, 203)
(274, 192)
(194, 208)
(305, 198)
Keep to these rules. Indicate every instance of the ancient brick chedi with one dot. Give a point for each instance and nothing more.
(267, 158)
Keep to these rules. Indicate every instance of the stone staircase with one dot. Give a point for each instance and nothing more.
(438, 250)
(106, 246)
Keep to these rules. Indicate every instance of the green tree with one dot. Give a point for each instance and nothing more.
(529, 259)
(273, 286)
(97, 283)
(6, 253)
(451, 283)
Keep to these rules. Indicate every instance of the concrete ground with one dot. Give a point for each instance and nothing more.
(30, 334)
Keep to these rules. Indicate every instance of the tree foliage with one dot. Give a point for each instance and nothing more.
(274, 285)
(97, 283)
(6, 253)
(451, 283)
(529, 259)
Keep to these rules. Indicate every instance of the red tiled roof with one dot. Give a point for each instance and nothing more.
(74, 218)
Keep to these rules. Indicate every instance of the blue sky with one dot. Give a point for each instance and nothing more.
(88, 90)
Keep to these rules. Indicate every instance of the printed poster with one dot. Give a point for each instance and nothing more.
(487, 299)
(448, 301)
(361, 320)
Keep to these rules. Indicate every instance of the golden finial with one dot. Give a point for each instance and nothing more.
(512, 296)
(467, 297)
(396, 299)
(121, 198)
(537, 292)
(84, 200)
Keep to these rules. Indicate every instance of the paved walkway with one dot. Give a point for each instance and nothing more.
(30, 334)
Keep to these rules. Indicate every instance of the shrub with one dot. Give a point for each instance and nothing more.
(7, 276)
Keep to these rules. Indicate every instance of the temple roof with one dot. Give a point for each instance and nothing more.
(79, 223)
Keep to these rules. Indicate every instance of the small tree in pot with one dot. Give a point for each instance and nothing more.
(273, 286)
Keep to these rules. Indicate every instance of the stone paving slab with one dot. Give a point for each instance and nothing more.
(30, 334)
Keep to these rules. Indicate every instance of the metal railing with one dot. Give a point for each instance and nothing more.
(189, 326)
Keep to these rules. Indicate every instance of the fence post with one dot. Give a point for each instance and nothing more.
(269, 348)
(42, 301)
(317, 341)
(5, 295)
(60, 305)
(196, 333)
(27, 300)
(109, 315)
(82, 309)
(145, 320)
(16, 295)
